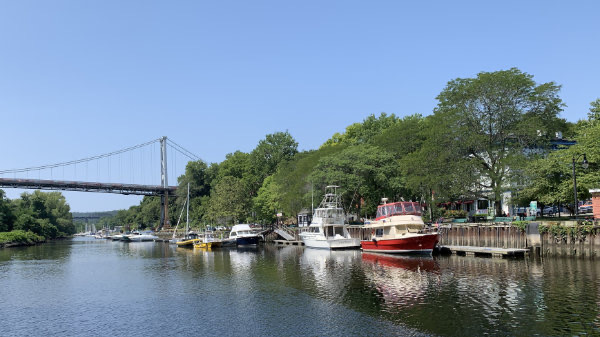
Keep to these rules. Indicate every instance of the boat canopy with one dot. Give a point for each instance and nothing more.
(398, 208)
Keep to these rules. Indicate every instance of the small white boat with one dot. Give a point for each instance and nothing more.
(141, 237)
(328, 227)
(117, 237)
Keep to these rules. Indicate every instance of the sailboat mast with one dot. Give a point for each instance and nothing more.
(187, 221)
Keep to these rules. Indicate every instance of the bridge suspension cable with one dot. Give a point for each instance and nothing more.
(78, 161)
(182, 150)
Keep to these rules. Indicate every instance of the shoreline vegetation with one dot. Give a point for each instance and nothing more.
(497, 137)
(18, 238)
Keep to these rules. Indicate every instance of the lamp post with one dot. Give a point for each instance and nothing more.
(584, 164)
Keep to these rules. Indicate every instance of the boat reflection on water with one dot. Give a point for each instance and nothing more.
(328, 271)
(412, 263)
(319, 259)
(402, 281)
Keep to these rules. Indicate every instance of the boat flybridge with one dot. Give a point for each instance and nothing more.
(328, 228)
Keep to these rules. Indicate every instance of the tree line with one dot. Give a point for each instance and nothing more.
(45, 214)
(487, 135)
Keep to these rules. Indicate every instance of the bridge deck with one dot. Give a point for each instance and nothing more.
(87, 186)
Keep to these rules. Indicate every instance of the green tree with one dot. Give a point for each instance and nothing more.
(228, 201)
(365, 174)
(200, 177)
(549, 179)
(268, 154)
(489, 121)
(362, 133)
(46, 214)
(292, 179)
(6, 215)
(403, 137)
(594, 114)
(266, 202)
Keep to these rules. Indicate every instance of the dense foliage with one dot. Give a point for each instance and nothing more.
(488, 135)
(46, 215)
(20, 236)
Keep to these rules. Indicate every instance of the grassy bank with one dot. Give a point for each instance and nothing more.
(18, 238)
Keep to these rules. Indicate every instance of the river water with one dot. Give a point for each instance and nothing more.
(88, 287)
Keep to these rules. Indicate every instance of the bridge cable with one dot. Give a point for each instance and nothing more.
(75, 162)
(182, 150)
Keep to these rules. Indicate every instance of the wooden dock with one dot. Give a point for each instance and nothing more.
(286, 242)
(484, 251)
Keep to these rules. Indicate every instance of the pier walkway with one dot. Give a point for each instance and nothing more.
(484, 251)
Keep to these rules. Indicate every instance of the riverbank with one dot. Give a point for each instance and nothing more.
(18, 238)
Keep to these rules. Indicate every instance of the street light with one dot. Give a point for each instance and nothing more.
(585, 165)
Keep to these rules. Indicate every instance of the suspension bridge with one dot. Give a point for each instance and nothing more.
(133, 161)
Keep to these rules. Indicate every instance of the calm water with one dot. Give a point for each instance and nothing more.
(88, 287)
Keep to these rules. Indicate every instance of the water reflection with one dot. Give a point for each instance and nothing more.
(76, 285)
(402, 281)
(328, 271)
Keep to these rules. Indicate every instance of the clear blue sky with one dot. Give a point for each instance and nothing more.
(81, 78)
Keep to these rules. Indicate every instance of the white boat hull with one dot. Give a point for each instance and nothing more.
(141, 238)
(343, 243)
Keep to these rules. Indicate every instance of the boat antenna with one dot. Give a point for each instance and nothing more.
(384, 200)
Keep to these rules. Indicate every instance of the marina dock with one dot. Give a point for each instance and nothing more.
(483, 251)
(288, 242)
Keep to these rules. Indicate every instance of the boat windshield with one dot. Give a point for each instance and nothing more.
(328, 212)
(398, 208)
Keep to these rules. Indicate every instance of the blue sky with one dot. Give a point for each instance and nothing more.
(82, 78)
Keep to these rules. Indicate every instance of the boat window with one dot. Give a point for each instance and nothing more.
(379, 232)
(418, 208)
(339, 230)
(398, 209)
(408, 207)
(233, 234)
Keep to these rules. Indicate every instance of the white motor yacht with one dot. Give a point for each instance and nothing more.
(328, 227)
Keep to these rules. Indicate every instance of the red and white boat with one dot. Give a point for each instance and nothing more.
(399, 229)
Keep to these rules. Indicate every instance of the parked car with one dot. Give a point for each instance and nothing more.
(550, 210)
(586, 207)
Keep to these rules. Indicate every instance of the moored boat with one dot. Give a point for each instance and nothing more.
(244, 235)
(188, 240)
(208, 240)
(328, 227)
(399, 228)
(141, 237)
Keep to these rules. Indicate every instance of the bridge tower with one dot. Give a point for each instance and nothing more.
(164, 198)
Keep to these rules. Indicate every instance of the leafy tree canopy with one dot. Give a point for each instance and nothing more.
(362, 133)
(365, 174)
(489, 120)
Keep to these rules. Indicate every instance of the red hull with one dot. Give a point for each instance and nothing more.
(422, 243)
